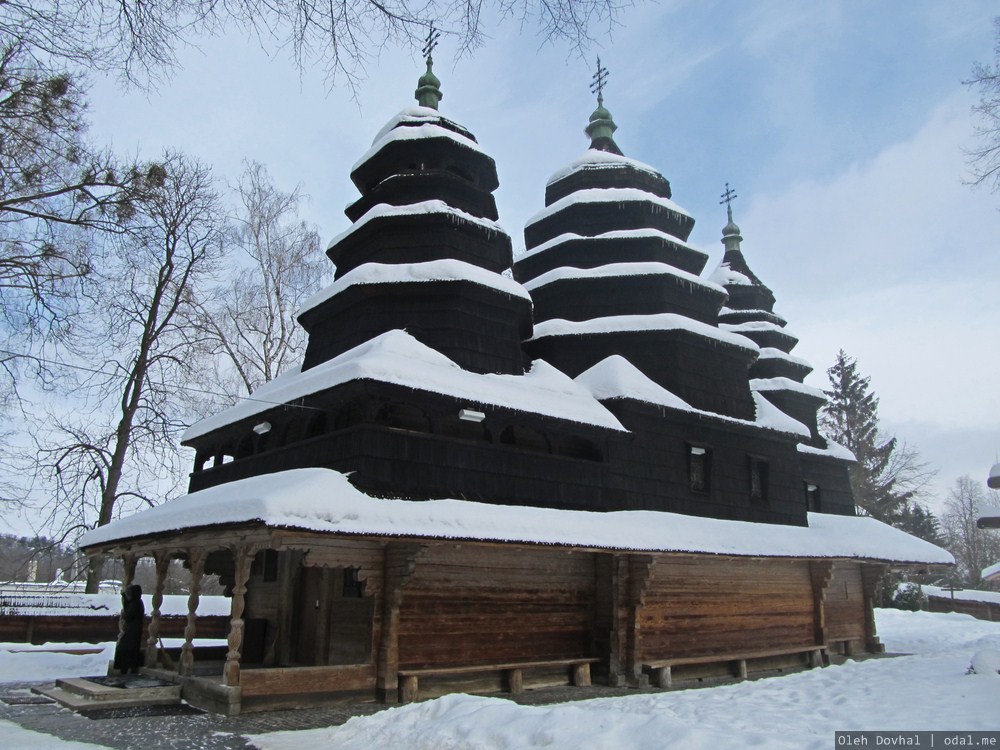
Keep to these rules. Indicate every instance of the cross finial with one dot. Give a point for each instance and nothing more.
(728, 197)
(432, 42)
(597, 82)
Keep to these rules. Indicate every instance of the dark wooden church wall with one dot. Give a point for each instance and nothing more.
(588, 252)
(705, 373)
(478, 328)
(703, 605)
(586, 298)
(654, 474)
(468, 605)
(420, 238)
(831, 476)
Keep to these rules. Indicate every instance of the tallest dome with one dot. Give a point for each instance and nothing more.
(424, 253)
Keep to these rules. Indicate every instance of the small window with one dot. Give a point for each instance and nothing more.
(265, 565)
(699, 468)
(812, 498)
(758, 480)
(354, 587)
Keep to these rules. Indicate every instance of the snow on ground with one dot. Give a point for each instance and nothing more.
(24, 662)
(925, 691)
(19, 738)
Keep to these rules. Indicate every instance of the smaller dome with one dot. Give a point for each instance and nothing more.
(428, 93)
(730, 229)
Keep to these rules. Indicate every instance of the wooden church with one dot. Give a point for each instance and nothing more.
(603, 466)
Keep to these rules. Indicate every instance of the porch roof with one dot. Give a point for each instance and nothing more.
(322, 500)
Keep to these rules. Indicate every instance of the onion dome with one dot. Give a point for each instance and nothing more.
(428, 92)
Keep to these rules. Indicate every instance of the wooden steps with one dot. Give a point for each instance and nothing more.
(103, 693)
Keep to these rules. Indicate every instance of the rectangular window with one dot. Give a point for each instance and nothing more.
(354, 587)
(758, 480)
(699, 468)
(812, 497)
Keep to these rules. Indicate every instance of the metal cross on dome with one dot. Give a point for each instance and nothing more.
(432, 42)
(598, 80)
(728, 197)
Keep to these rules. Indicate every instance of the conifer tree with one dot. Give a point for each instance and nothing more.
(887, 475)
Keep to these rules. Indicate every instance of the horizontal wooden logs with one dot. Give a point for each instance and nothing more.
(290, 680)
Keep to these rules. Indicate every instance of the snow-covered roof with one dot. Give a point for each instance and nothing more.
(607, 195)
(733, 311)
(657, 322)
(416, 132)
(769, 352)
(596, 159)
(324, 501)
(620, 269)
(967, 595)
(416, 115)
(615, 377)
(833, 450)
(432, 270)
(991, 571)
(396, 357)
(785, 384)
(423, 208)
(724, 274)
(757, 326)
(617, 234)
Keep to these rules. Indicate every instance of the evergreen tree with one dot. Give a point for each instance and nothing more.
(887, 475)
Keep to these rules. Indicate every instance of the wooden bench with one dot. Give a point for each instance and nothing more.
(662, 668)
(409, 679)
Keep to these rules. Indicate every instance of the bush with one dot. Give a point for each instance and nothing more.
(909, 596)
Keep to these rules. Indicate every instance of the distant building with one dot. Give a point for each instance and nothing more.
(606, 467)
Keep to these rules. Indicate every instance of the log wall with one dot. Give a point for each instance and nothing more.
(845, 604)
(468, 605)
(697, 606)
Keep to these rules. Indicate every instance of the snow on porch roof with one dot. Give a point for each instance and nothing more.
(323, 500)
(398, 358)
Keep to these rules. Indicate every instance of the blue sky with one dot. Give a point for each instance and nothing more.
(840, 124)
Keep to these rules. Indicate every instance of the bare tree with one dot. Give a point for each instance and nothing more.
(55, 189)
(117, 449)
(139, 37)
(985, 157)
(250, 327)
(973, 548)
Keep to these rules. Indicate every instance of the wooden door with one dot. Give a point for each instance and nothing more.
(307, 610)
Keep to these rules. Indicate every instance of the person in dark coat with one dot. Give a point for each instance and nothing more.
(128, 652)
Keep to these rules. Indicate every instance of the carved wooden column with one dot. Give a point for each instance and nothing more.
(242, 559)
(400, 562)
(196, 564)
(162, 565)
(870, 576)
(640, 573)
(129, 559)
(820, 574)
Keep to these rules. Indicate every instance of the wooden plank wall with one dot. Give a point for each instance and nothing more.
(469, 604)
(845, 604)
(695, 606)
